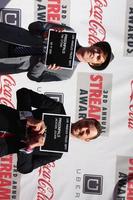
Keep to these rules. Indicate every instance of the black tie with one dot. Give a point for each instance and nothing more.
(26, 51)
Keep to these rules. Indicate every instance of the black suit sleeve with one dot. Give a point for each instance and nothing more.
(38, 27)
(27, 162)
(26, 99)
(38, 74)
(37, 70)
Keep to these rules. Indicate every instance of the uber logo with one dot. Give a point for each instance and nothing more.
(92, 184)
(56, 96)
(11, 16)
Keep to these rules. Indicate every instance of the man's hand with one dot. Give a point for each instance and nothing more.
(35, 141)
(37, 126)
(54, 67)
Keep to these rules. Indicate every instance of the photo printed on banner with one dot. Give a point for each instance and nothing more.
(94, 98)
(52, 11)
(124, 178)
(128, 42)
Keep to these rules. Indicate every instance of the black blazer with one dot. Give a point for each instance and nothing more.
(35, 36)
(10, 122)
(18, 36)
(26, 99)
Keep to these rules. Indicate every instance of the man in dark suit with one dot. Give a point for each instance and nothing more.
(14, 123)
(24, 51)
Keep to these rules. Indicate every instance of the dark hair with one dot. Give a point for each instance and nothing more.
(87, 122)
(106, 48)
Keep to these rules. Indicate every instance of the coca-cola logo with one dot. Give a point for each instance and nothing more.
(6, 84)
(45, 188)
(97, 31)
(130, 119)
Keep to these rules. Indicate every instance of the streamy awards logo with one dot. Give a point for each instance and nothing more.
(124, 178)
(128, 43)
(94, 98)
(53, 11)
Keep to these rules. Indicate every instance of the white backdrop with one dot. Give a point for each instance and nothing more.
(90, 171)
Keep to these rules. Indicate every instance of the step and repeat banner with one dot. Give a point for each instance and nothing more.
(101, 169)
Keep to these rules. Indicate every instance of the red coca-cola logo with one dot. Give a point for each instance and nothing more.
(97, 31)
(130, 119)
(45, 188)
(6, 84)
